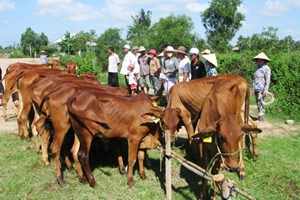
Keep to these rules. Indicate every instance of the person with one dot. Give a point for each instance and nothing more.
(132, 79)
(197, 66)
(43, 57)
(261, 82)
(1, 88)
(135, 51)
(113, 62)
(210, 64)
(169, 71)
(184, 65)
(154, 68)
(160, 86)
(144, 62)
(205, 52)
(129, 59)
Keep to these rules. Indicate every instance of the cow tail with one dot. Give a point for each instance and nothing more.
(247, 105)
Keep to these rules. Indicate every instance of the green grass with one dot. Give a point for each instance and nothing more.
(275, 175)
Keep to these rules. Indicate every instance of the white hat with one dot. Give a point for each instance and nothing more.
(142, 48)
(193, 51)
(206, 51)
(211, 58)
(126, 46)
(262, 56)
(169, 49)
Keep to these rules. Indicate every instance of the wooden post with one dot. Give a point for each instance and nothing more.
(168, 165)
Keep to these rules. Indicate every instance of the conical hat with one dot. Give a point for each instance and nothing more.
(262, 56)
(211, 58)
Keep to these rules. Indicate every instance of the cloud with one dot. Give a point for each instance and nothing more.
(7, 5)
(67, 8)
(278, 7)
(196, 7)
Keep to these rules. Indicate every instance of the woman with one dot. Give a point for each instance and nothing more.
(210, 64)
(197, 66)
(170, 67)
(261, 82)
(154, 68)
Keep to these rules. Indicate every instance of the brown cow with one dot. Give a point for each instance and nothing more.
(189, 96)
(54, 107)
(220, 129)
(110, 116)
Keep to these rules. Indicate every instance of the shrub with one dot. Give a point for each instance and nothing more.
(16, 54)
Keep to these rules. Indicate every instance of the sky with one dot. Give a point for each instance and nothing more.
(56, 17)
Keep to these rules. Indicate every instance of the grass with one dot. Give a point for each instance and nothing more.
(275, 175)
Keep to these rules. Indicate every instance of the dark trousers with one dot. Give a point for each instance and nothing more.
(113, 79)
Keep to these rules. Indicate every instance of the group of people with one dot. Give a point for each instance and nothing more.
(143, 71)
(146, 69)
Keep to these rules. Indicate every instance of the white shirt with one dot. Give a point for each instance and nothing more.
(113, 61)
(128, 60)
(184, 66)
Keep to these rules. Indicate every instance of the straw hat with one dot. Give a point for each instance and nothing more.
(43, 51)
(126, 46)
(262, 56)
(206, 51)
(211, 58)
(181, 49)
(135, 48)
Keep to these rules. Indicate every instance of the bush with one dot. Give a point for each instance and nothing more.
(16, 54)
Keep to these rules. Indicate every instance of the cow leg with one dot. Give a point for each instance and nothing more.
(141, 158)
(254, 138)
(242, 165)
(5, 99)
(133, 144)
(83, 156)
(186, 118)
(78, 167)
(117, 149)
(24, 109)
(45, 136)
(35, 132)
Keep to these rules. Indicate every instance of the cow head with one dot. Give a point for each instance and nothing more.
(168, 119)
(227, 134)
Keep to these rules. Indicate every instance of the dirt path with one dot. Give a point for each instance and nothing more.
(269, 128)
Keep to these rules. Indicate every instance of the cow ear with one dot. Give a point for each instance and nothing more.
(178, 110)
(208, 130)
(151, 116)
(247, 128)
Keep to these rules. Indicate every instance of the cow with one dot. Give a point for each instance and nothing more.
(54, 107)
(110, 116)
(220, 130)
(13, 71)
(189, 97)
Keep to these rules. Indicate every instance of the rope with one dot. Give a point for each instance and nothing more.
(270, 97)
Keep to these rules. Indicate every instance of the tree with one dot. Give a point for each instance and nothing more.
(138, 33)
(173, 30)
(221, 21)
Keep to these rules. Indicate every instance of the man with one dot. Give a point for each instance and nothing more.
(113, 62)
(144, 62)
(43, 57)
(184, 65)
(128, 61)
(197, 66)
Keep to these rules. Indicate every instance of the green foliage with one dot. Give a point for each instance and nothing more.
(86, 63)
(173, 30)
(32, 42)
(221, 21)
(16, 54)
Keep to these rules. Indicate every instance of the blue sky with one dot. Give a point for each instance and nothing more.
(56, 17)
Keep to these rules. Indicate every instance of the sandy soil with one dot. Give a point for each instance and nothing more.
(279, 129)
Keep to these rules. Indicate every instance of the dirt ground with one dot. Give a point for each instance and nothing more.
(269, 128)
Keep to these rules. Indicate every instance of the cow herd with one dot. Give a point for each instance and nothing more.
(67, 111)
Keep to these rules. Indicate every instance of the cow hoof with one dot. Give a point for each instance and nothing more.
(93, 184)
(131, 184)
(82, 180)
(60, 181)
(143, 176)
(46, 163)
(242, 177)
(123, 171)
